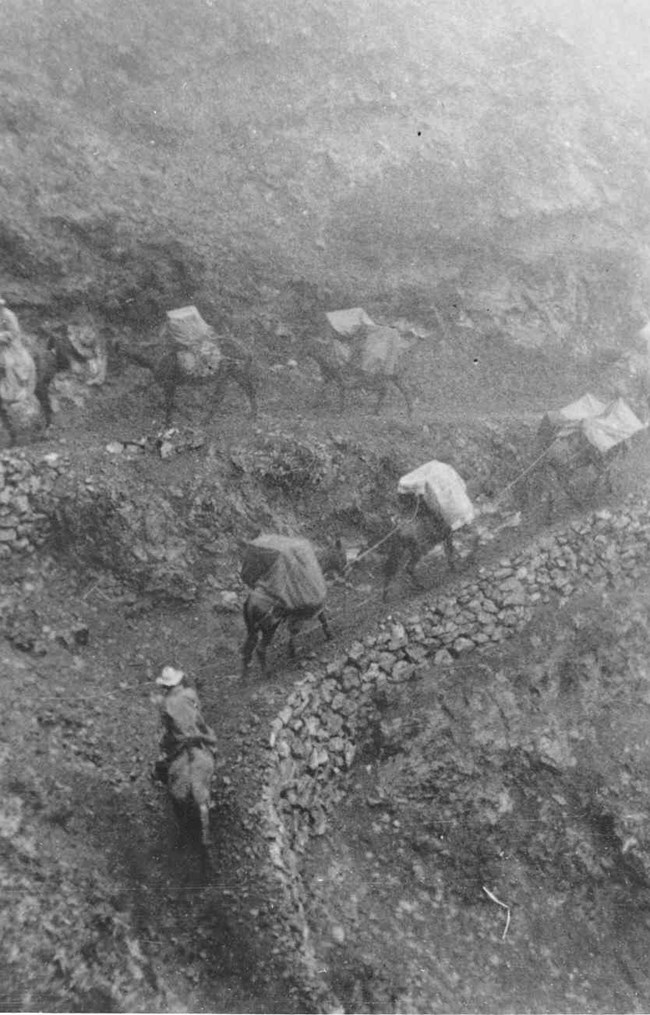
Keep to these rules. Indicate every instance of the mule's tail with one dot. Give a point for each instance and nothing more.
(204, 815)
(392, 563)
(202, 771)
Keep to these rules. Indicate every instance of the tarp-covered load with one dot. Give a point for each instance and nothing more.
(197, 346)
(348, 322)
(369, 347)
(286, 568)
(443, 490)
(571, 415)
(603, 426)
(380, 351)
(17, 374)
(617, 423)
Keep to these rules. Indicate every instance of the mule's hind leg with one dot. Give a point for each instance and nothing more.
(248, 647)
(392, 564)
(169, 396)
(383, 391)
(406, 394)
(293, 625)
(204, 817)
(450, 551)
(250, 390)
(179, 811)
(216, 393)
(322, 616)
(243, 375)
(42, 392)
(265, 641)
(6, 421)
(415, 554)
(341, 386)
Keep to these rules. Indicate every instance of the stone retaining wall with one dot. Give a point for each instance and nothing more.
(314, 738)
(26, 479)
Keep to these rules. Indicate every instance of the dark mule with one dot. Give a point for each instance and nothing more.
(263, 614)
(348, 376)
(413, 539)
(575, 468)
(54, 352)
(169, 374)
(189, 783)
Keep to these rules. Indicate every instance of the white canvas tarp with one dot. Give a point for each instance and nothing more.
(570, 417)
(617, 423)
(583, 408)
(348, 322)
(287, 569)
(18, 373)
(198, 349)
(443, 490)
(604, 426)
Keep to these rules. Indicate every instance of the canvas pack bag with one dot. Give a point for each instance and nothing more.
(196, 343)
(286, 568)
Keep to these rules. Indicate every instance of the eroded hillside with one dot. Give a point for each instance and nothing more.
(490, 160)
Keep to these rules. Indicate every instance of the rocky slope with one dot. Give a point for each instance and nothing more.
(490, 160)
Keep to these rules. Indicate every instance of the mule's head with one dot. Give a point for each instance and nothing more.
(333, 558)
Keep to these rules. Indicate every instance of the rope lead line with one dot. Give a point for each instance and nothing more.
(371, 549)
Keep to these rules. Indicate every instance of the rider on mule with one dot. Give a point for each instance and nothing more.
(182, 721)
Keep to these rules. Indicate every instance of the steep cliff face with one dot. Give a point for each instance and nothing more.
(486, 159)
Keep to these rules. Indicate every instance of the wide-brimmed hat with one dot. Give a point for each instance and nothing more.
(170, 677)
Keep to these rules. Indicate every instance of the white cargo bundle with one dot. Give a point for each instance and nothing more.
(348, 323)
(199, 351)
(443, 490)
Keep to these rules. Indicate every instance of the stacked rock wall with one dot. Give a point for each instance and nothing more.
(26, 480)
(314, 738)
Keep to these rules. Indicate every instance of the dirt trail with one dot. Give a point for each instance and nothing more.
(84, 734)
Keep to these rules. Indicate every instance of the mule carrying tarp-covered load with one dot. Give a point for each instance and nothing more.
(372, 348)
(571, 416)
(577, 446)
(617, 423)
(442, 490)
(348, 324)
(286, 568)
(603, 426)
(196, 343)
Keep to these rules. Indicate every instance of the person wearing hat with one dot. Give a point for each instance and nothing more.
(182, 721)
